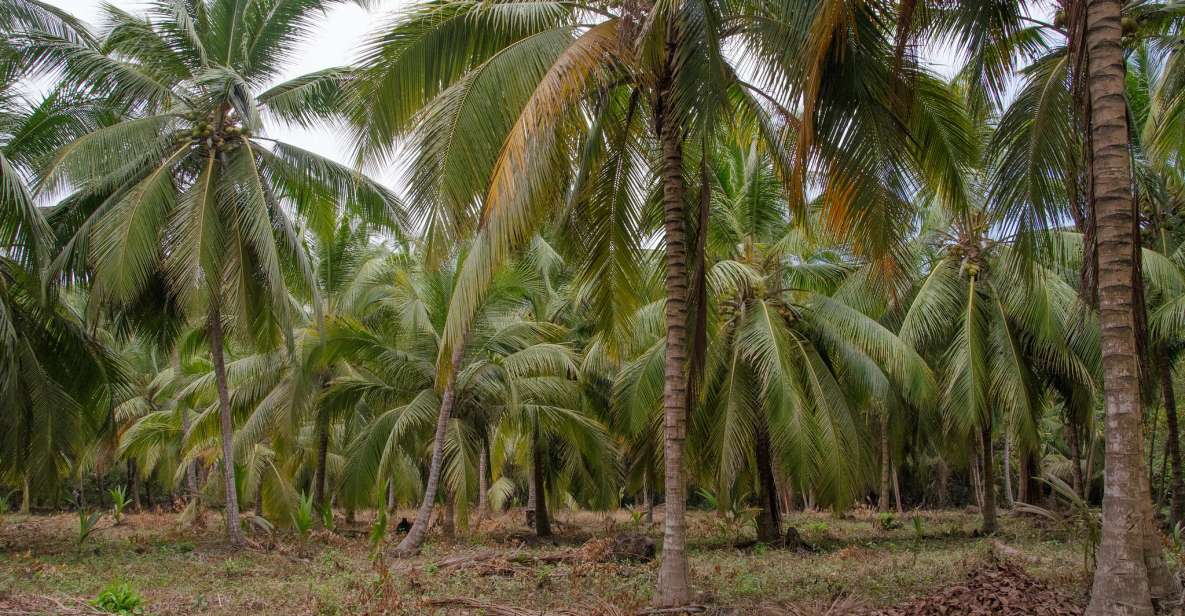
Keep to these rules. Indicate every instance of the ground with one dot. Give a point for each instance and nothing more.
(860, 559)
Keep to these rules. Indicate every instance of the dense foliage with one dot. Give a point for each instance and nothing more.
(736, 254)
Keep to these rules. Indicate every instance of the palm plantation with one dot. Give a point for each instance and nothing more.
(769, 266)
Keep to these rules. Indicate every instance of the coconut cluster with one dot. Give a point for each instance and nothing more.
(203, 131)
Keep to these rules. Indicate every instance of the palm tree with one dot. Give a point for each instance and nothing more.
(496, 123)
(187, 194)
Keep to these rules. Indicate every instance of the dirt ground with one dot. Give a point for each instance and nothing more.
(856, 564)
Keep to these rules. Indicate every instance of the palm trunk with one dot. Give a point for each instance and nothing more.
(26, 495)
(1122, 581)
(234, 532)
(769, 523)
(542, 520)
(989, 480)
(977, 479)
(673, 588)
(897, 492)
(134, 485)
(319, 479)
(882, 504)
(1008, 500)
(449, 526)
(1173, 446)
(483, 483)
(647, 497)
(1075, 458)
(419, 529)
(943, 480)
(391, 496)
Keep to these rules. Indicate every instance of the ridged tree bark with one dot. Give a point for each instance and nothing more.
(319, 479)
(134, 485)
(234, 533)
(1173, 446)
(1008, 499)
(542, 519)
(483, 483)
(1122, 584)
(989, 480)
(419, 529)
(673, 587)
(769, 523)
(882, 504)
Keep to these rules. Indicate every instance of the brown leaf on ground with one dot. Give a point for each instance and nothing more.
(997, 589)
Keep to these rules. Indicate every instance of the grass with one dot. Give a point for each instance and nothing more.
(185, 571)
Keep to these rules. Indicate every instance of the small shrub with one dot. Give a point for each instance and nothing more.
(819, 528)
(378, 534)
(327, 518)
(919, 528)
(119, 599)
(119, 502)
(302, 518)
(88, 523)
(887, 521)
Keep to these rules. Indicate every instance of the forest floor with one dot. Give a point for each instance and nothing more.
(857, 563)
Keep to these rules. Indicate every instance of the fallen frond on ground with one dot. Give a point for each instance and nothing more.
(997, 589)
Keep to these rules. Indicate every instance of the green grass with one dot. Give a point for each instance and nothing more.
(182, 571)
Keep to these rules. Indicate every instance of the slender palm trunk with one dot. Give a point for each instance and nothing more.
(449, 525)
(319, 479)
(1075, 457)
(647, 497)
(1122, 584)
(882, 504)
(769, 523)
(134, 485)
(1173, 446)
(26, 495)
(897, 492)
(1009, 501)
(419, 529)
(977, 479)
(989, 480)
(483, 483)
(673, 587)
(234, 532)
(542, 520)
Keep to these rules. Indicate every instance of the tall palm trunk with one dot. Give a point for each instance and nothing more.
(483, 483)
(882, 504)
(1122, 581)
(419, 529)
(319, 480)
(673, 588)
(234, 532)
(1008, 500)
(1173, 446)
(1075, 442)
(989, 479)
(769, 524)
(134, 485)
(26, 495)
(542, 520)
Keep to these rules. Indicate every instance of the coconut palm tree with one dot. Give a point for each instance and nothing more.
(188, 194)
(496, 123)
